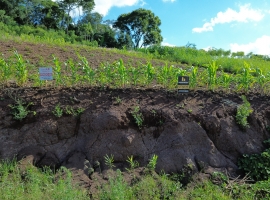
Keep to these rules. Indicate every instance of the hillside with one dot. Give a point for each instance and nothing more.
(62, 125)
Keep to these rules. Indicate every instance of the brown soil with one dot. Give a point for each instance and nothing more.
(197, 130)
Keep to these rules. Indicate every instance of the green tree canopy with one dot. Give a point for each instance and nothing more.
(142, 25)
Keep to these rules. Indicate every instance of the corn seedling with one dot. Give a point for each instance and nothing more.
(88, 72)
(21, 71)
(225, 80)
(135, 73)
(109, 161)
(212, 73)
(245, 79)
(74, 71)
(57, 71)
(149, 73)
(122, 73)
(5, 71)
(193, 77)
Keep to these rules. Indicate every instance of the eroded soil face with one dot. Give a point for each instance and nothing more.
(197, 129)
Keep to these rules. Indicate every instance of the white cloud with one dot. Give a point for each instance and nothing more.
(167, 44)
(245, 14)
(259, 46)
(169, 1)
(103, 6)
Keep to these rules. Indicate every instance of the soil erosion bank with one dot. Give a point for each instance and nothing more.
(198, 129)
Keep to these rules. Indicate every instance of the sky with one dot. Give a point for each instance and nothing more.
(242, 25)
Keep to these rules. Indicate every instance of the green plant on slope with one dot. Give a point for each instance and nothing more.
(132, 163)
(20, 110)
(152, 162)
(58, 111)
(137, 115)
(57, 71)
(243, 111)
(21, 71)
(257, 166)
(109, 161)
(245, 79)
(5, 71)
(212, 74)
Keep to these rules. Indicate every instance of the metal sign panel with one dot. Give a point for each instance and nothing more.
(46, 73)
(183, 82)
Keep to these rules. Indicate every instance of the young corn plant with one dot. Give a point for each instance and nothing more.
(165, 74)
(21, 69)
(245, 79)
(135, 74)
(88, 72)
(122, 73)
(5, 71)
(260, 79)
(75, 77)
(225, 81)
(193, 77)
(149, 73)
(212, 75)
(57, 72)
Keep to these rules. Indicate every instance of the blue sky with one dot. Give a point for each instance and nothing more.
(242, 25)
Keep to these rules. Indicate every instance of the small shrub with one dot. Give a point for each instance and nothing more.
(137, 115)
(152, 162)
(243, 111)
(58, 111)
(257, 166)
(109, 161)
(20, 110)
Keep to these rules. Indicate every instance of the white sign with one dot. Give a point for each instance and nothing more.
(45, 73)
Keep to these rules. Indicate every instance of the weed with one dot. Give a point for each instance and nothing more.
(118, 100)
(257, 166)
(137, 115)
(109, 161)
(70, 111)
(152, 162)
(20, 110)
(189, 110)
(58, 111)
(243, 111)
(132, 163)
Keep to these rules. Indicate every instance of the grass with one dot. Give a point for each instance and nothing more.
(34, 183)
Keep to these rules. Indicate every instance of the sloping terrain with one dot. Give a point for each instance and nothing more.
(197, 130)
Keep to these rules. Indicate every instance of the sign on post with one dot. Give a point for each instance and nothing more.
(46, 73)
(183, 82)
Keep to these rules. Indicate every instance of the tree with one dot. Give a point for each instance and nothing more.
(142, 25)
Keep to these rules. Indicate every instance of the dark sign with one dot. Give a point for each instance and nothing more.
(183, 81)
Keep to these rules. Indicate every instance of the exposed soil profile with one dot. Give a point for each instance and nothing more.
(198, 129)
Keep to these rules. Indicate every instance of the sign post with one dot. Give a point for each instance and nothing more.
(183, 82)
(45, 74)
